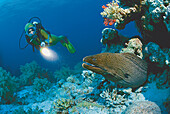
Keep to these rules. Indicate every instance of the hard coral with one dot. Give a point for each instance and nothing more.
(62, 105)
(120, 99)
(87, 105)
(133, 46)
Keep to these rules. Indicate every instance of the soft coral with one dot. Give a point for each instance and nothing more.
(109, 21)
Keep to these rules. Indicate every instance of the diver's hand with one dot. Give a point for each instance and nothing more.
(42, 44)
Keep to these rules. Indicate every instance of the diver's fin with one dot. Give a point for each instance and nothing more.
(70, 47)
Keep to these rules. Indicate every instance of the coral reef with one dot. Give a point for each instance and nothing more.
(134, 46)
(78, 68)
(75, 79)
(29, 72)
(62, 105)
(66, 71)
(152, 18)
(112, 41)
(150, 21)
(8, 86)
(32, 70)
(157, 55)
(41, 84)
(154, 22)
(87, 105)
(28, 95)
(81, 91)
(118, 16)
(167, 104)
(154, 94)
(161, 79)
(109, 34)
(120, 99)
(21, 110)
(86, 92)
(159, 64)
(63, 73)
(143, 107)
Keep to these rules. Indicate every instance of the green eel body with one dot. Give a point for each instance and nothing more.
(125, 69)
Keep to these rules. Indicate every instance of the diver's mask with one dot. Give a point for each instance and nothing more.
(31, 32)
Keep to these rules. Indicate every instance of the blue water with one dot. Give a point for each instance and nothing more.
(79, 20)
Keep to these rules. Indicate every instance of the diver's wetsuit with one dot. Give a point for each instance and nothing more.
(49, 39)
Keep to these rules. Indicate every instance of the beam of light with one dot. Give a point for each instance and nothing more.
(49, 54)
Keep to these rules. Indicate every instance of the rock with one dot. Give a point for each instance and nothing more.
(143, 107)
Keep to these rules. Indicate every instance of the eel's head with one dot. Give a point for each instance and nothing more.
(96, 63)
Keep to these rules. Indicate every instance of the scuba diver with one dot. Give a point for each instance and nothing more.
(39, 37)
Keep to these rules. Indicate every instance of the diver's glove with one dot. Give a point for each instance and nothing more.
(42, 44)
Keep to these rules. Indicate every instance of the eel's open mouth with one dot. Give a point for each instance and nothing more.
(93, 66)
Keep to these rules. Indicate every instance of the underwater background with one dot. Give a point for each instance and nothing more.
(80, 21)
(121, 64)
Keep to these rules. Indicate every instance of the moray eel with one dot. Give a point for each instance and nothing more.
(126, 69)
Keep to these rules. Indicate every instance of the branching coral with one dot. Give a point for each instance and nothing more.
(8, 85)
(120, 99)
(61, 105)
